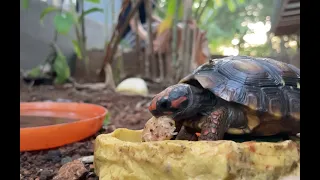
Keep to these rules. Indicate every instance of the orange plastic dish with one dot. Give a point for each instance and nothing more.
(90, 117)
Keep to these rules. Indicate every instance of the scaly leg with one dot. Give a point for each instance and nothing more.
(215, 125)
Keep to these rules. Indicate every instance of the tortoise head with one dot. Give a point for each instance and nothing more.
(172, 101)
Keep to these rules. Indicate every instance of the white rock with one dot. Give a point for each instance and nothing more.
(86, 159)
(133, 86)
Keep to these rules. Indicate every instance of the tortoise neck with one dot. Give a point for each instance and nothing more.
(203, 100)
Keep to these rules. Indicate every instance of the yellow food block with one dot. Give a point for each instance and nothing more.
(122, 155)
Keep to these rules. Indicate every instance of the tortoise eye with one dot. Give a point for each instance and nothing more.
(164, 103)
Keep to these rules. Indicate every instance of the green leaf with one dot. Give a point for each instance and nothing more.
(47, 11)
(219, 3)
(91, 10)
(180, 12)
(231, 5)
(106, 120)
(241, 1)
(77, 49)
(63, 22)
(61, 67)
(25, 4)
(210, 4)
(172, 8)
(35, 72)
(93, 1)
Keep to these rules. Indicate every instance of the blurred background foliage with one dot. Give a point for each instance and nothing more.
(238, 27)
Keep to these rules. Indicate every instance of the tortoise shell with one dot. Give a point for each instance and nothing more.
(262, 84)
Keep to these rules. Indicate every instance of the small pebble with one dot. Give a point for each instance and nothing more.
(54, 155)
(46, 174)
(66, 160)
(63, 100)
(26, 172)
(87, 159)
(76, 156)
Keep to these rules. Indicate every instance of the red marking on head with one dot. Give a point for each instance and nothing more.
(164, 93)
(198, 134)
(153, 105)
(176, 103)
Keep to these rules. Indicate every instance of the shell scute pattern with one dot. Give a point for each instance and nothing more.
(284, 72)
(262, 84)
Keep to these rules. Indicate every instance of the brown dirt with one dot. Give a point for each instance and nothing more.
(125, 111)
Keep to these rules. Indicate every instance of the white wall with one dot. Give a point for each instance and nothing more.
(35, 38)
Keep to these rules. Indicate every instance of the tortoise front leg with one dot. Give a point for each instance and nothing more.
(186, 133)
(215, 125)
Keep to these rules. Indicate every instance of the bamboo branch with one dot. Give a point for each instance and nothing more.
(113, 19)
(197, 11)
(174, 34)
(188, 51)
(161, 66)
(202, 11)
(194, 37)
(185, 40)
(79, 35)
(83, 21)
(149, 56)
(158, 8)
(116, 38)
(136, 18)
(55, 37)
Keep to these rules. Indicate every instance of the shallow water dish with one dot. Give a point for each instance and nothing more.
(88, 119)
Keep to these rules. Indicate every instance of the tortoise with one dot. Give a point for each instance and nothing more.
(236, 95)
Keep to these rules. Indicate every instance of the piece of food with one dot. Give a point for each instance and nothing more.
(158, 129)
